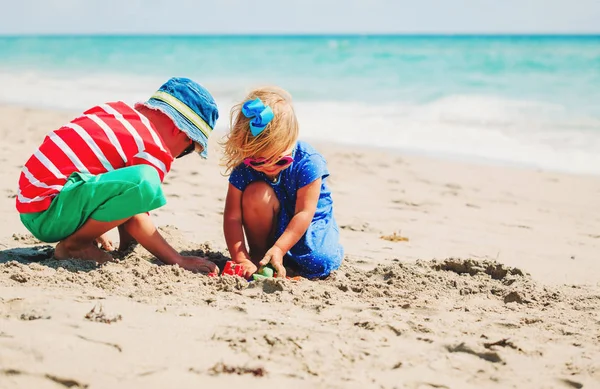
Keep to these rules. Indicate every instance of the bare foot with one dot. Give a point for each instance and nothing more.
(67, 250)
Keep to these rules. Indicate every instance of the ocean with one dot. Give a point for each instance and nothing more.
(519, 100)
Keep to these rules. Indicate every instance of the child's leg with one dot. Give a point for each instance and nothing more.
(260, 208)
(125, 238)
(88, 206)
(139, 227)
(82, 243)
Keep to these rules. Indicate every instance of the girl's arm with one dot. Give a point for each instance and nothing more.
(306, 206)
(232, 225)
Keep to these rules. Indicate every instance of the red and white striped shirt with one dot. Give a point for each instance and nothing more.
(107, 137)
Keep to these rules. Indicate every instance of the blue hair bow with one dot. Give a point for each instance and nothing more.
(262, 114)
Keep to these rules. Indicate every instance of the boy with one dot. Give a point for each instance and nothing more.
(105, 168)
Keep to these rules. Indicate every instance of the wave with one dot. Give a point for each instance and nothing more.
(476, 127)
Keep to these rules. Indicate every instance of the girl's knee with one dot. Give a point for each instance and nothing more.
(259, 195)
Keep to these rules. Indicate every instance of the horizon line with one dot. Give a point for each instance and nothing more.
(307, 34)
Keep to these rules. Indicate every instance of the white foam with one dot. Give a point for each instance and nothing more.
(472, 127)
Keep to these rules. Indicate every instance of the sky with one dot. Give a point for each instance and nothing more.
(298, 16)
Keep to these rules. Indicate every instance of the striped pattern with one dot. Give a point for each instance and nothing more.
(107, 137)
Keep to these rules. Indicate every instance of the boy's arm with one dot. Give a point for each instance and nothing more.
(232, 225)
(145, 233)
(306, 206)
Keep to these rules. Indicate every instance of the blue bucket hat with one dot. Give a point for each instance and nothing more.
(191, 107)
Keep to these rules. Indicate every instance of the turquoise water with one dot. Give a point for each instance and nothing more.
(531, 100)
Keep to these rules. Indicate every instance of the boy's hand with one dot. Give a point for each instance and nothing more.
(275, 257)
(198, 264)
(105, 242)
(249, 268)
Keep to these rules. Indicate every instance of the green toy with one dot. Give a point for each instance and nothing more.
(265, 272)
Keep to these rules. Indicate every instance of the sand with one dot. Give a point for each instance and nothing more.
(456, 275)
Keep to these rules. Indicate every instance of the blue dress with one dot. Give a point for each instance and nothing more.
(319, 251)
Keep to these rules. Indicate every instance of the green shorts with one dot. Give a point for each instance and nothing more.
(116, 195)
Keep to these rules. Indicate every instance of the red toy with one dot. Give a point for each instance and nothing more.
(233, 269)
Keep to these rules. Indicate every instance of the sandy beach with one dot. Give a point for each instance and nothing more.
(456, 275)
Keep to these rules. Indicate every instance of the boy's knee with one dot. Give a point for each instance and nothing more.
(135, 221)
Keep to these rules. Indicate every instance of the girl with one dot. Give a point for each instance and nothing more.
(277, 195)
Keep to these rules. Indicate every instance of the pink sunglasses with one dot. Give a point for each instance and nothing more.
(255, 162)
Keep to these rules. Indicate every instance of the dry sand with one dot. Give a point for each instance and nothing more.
(497, 286)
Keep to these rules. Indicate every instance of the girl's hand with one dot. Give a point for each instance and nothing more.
(249, 268)
(275, 257)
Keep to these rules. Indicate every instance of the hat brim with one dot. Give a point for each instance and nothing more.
(182, 123)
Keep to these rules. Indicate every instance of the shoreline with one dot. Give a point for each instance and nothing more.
(441, 157)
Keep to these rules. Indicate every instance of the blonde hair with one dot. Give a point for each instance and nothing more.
(278, 136)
